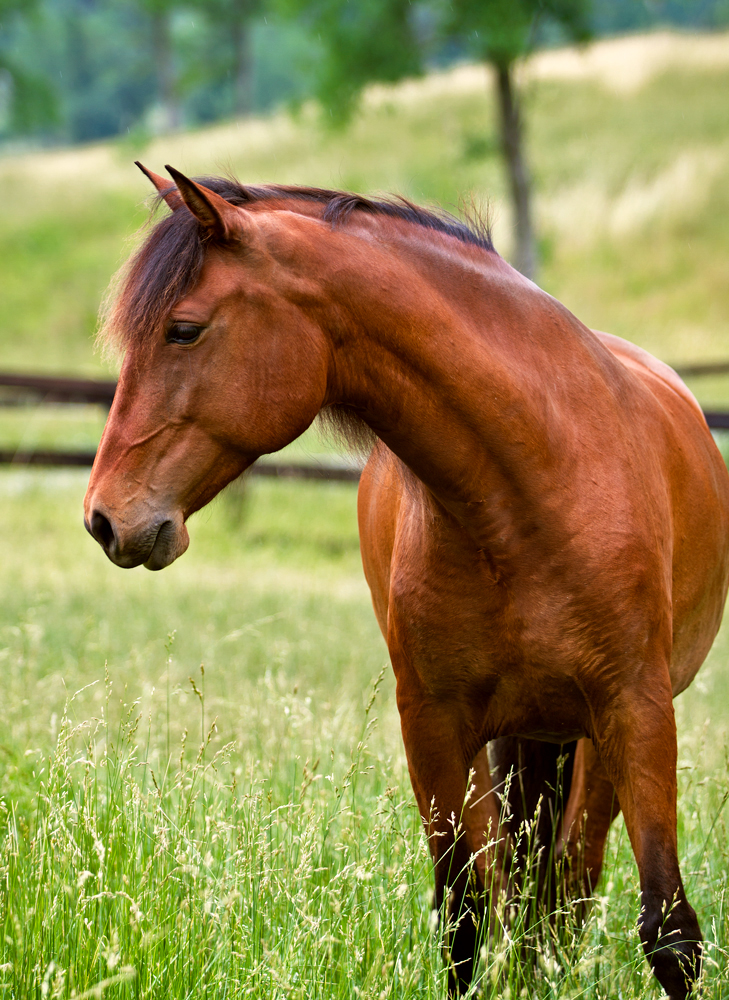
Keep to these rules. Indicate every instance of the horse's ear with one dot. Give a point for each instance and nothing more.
(219, 217)
(168, 191)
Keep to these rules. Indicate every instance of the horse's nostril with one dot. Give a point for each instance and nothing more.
(100, 527)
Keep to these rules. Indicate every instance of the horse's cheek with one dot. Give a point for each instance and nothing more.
(277, 394)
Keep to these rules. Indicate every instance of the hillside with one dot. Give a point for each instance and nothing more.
(629, 145)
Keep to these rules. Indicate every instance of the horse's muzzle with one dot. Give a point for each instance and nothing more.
(154, 545)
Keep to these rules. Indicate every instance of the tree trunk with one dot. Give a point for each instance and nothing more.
(167, 95)
(525, 255)
(242, 66)
(80, 76)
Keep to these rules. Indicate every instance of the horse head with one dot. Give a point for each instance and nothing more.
(222, 364)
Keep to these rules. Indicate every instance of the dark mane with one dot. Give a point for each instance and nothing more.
(167, 265)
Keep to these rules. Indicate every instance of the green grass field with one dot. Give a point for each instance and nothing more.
(203, 791)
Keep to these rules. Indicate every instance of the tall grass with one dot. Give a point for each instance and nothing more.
(212, 873)
(226, 874)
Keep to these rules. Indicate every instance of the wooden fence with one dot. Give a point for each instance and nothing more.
(33, 390)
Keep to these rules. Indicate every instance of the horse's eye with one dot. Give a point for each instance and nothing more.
(183, 333)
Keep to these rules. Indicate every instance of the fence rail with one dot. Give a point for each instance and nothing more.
(704, 368)
(40, 389)
(333, 472)
(32, 389)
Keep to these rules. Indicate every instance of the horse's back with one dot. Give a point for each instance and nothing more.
(644, 364)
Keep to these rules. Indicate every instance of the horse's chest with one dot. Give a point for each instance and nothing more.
(459, 626)
(466, 645)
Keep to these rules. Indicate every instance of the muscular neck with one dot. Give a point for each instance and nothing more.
(463, 368)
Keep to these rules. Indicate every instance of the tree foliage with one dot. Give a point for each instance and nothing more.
(371, 40)
(28, 97)
(75, 70)
(502, 31)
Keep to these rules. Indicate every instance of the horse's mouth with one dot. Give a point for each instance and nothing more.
(153, 547)
(170, 542)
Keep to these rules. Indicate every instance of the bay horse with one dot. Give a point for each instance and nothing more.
(544, 516)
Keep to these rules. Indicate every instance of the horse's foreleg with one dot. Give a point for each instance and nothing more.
(439, 772)
(591, 807)
(636, 741)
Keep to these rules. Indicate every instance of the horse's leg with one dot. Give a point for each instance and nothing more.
(439, 775)
(636, 739)
(591, 808)
(435, 734)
